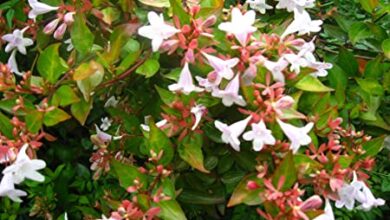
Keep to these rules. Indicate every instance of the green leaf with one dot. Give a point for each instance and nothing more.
(148, 68)
(369, 5)
(34, 120)
(93, 79)
(386, 47)
(80, 110)
(64, 96)
(127, 173)
(119, 39)
(190, 150)
(359, 31)
(55, 116)
(82, 37)
(371, 86)
(286, 169)
(200, 198)
(5, 126)
(338, 79)
(158, 141)
(312, 84)
(374, 146)
(171, 210)
(178, 11)
(50, 65)
(166, 96)
(347, 62)
(242, 194)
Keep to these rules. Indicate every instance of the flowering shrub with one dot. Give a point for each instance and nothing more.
(193, 109)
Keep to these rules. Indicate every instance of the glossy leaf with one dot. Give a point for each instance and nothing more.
(148, 68)
(171, 210)
(190, 150)
(158, 141)
(50, 65)
(81, 109)
(311, 84)
(127, 173)
(242, 194)
(82, 37)
(34, 121)
(286, 169)
(55, 116)
(64, 96)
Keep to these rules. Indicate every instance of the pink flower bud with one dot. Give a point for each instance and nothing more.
(68, 18)
(50, 27)
(209, 21)
(59, 33)
(131, 189)
(252, 185)
(314, 202)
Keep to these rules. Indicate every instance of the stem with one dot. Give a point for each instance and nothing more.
(124, 74)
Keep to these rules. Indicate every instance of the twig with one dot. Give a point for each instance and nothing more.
(124, 74)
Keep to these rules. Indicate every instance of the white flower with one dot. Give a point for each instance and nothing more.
(104, 137)
(285, 102)
(39, 8)
(241, 25)
(13, 65)
(159, 124)
(259, 5)
(198, 111)
(328, 212)
(276, 68)
(290, 5)
(211, 82)
(70, 47)
(230, 133)
(302, 24)
(370, 201)
(185, 83)
(7, 188)
(348, 193)
(17, 41)
(222, 67)
(297, 136)
(260, 135)
(321, 67)
(157, 31)
(25, 168)
(106, 123)
(111, 102)
(296, 62)
(230, 94)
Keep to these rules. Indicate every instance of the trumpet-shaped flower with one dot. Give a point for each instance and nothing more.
(349, 193)
(222, 67)
(185, 83)
(296, 62)
(198, 111)
(290, 5)
(157, 31)
(297, 136)
(240, 25)
(230, 133)
(39, 8)
(17, 41)
(13, 65)
(260, 135)
(230, 94)
(106, 123)
(370, 201)
(7, 188)
(276, 68)
(259, 5)
(25, 168)
(328, 212)
(302, 24)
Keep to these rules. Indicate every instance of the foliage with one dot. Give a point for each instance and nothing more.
(124, 131)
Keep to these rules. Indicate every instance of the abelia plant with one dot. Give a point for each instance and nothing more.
(184, 110)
